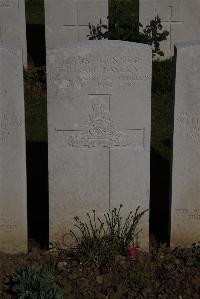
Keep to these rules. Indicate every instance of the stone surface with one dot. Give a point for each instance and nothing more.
(67, 20)
(13, 210)
(13, 25)
(180, 17)
(99, 131)
(185, 215)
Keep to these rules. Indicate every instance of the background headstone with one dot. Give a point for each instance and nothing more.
(13, 207)
(67, 20)
(180, 17)
(185, 214)
(99, 107)
(13, 25)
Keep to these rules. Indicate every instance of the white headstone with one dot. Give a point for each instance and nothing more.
(13, 25)
(13, 209)
(180, 17)
(99, 107)
(67, 20)
(185, 215)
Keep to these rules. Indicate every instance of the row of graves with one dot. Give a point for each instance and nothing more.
(99, 124)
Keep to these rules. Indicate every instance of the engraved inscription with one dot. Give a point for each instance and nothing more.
(77, 72)
(191, 214)
(124, 81)
(191, 123)
(7, 223)
(9, 3)
(103, 60)
(101, 130)
(8, 122)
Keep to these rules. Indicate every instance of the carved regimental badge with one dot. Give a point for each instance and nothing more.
(101, 130)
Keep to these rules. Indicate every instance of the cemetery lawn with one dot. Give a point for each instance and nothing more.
(165, 274)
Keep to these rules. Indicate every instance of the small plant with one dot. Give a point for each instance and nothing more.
(32, 282)
(137, 280)
(122, 234)
(190, 258)
(152, 35)
(196, 254)
(96, 32)
(101, 240)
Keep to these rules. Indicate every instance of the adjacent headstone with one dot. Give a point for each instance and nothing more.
(99, 107)
(180, 17)
(185, 214)
(67, 20)
(13, 25)
(13, 208)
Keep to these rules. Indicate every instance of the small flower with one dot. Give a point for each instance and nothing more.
(133, 251)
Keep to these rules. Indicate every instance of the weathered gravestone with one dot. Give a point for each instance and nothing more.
(67, 20)
(180, 17)
(13, 211)
(99, 107)
(185, 215)
(13, 25)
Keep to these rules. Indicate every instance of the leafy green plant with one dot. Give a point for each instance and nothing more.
(196, 254)
(102, 240)
(123, 24)
(153, 34)
(137, 280)
(122, 234)
(33, 282)
(96, 32)
(189, 258)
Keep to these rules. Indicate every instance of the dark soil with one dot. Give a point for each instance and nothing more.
(165, 274)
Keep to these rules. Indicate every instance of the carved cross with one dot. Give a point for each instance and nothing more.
(171, 23)
(102, 132)
(76, 25)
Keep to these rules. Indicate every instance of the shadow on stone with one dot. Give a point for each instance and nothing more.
(37, 192)
(159, 198)
(36, 43)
